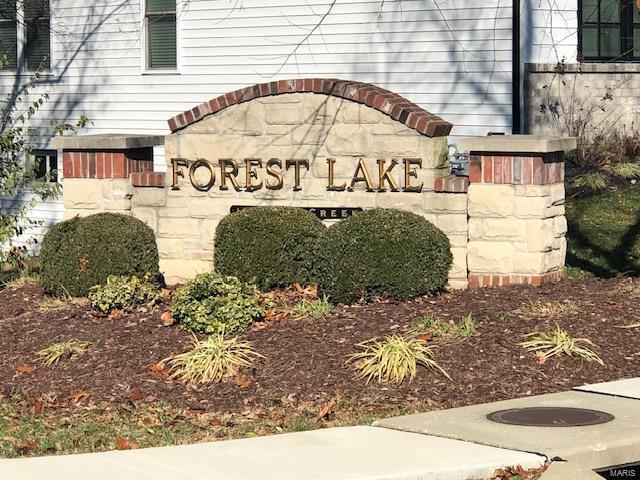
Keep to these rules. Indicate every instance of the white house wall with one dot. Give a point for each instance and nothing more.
(550, 31)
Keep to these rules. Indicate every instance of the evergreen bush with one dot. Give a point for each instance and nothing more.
(391, 253)
(267, 246)
(82, 252)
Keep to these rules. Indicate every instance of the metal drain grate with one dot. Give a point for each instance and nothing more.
(550, 417)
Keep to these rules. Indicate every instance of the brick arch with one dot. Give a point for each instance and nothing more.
(389, 103)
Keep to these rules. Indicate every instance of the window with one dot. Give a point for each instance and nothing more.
(29, 21)
(609, 30)
(8, 35)
(37, 47)
(45, 164)
(160, 34)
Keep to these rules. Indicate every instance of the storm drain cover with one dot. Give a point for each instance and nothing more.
(550, 417)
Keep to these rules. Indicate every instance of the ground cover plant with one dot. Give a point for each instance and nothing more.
(213, 304)
(123, 292)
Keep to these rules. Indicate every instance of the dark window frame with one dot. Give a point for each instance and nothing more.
(45, 163)
(38, 22)
(13, 61)
(626, 24)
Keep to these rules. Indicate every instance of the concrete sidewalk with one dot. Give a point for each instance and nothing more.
(590, 447)
(347, 453)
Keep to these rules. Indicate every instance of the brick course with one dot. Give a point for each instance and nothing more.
(392, 104)
(106, 164)
(509, 169)
(148, 179)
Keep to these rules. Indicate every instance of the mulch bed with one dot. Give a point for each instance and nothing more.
(305, 359)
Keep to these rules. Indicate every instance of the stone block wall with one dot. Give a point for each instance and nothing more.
(581, 88)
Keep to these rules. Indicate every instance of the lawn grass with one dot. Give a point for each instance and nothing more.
(31, 429)
(603, 233)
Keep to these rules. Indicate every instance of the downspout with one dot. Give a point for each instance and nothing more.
(516, 112)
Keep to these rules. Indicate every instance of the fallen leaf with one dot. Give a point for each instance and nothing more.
(540, 358)
(167, 319)
(425, 337)
(324, 411)
(38, 406)
(26, 369)
(124, 444)
(27, 446)
(136, 395)
(82, 395)
(243, 382)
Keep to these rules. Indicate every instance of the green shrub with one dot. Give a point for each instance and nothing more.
(391, 253)
(82, 252)
(124, 293)
(214, 304)
(268, 246)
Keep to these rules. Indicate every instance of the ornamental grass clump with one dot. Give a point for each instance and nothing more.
(317, 308)
(69, 350)
(126, 293)
(393, 359)
(556, 342)
(211, 360)
(382, 252)
(270, 247)
(212, 304)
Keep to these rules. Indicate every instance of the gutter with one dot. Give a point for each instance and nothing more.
(516, 90)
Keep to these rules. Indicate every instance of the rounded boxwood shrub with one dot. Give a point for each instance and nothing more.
(212, 304)
(268, 246)
(82, 252)
(392, 253)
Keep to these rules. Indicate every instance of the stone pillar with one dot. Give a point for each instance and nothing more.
(96, 170)
(516, 199)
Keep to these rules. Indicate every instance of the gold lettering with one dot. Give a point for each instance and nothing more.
(384, 175)
(277, 174)
(203, 187)
(297, 164)
(251, 174)
(410, 172)
(363, 177)
(177, 172)
(334, 188)
(228, 169)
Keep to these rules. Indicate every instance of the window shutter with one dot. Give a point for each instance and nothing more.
(156, 6)
(38, 41)
(8, 34)
(162, 47)
(161, 34)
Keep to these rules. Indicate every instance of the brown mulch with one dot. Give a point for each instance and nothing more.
(305, 359)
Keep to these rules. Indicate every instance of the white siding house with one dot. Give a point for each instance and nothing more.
(452, 57)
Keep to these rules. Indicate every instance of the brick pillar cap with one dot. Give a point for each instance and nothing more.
(517, 144)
